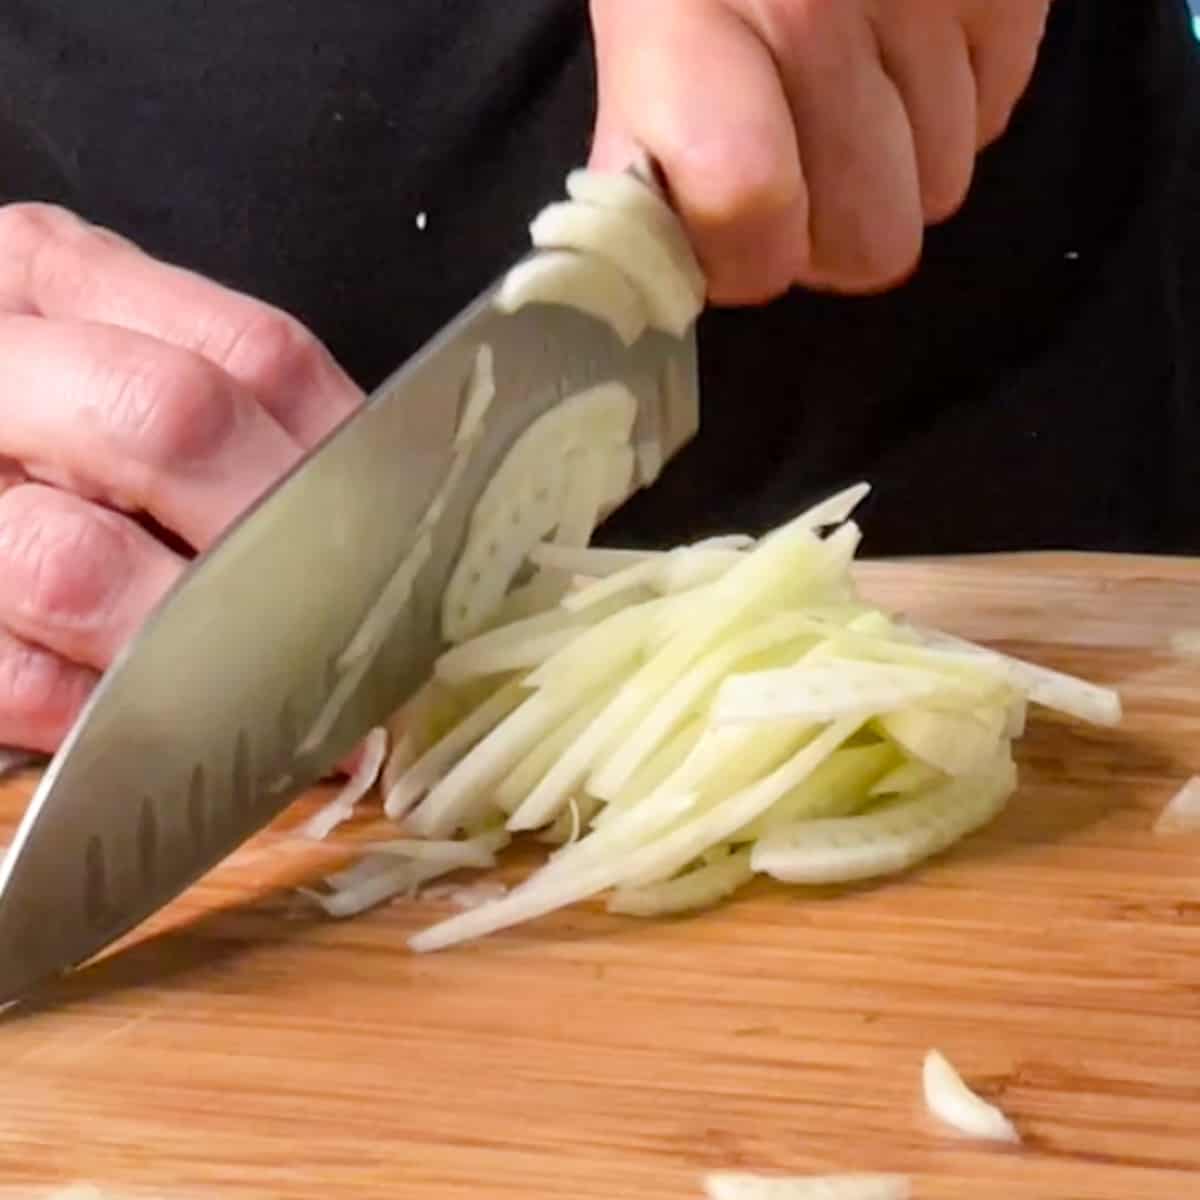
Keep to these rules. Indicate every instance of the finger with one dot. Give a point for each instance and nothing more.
(930, 65)
(732, 168)
(54, 264)
(41, 694)
(866, 221)
(158, 428)
(1004, 40)
(75, 578)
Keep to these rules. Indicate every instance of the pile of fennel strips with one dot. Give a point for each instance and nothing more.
(673, 722)
(695, 718)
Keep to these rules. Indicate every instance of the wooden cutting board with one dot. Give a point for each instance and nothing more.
(251, 1050)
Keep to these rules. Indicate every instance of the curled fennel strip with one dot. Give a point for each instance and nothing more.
(949, 1099)
(894, 837)
(341, 807)
(734, 1185)
(585, 282)
(1182, 812)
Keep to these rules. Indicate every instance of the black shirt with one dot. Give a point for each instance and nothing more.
(1034, 385)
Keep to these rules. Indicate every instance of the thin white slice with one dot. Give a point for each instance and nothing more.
(582, 281)
(666, 572)
(584, 495)
(653, 773)
(787, 561)
(465, 896)
(529, 496)
(589, 561)
(1182, 812)
(600, 415)
(700, 888)
(465, 790)
(625, 582)
(744, 1185)
(608, 647)
(956, 743)
(433, 765)
(911, 775)
(653, 857)
(478, 395)
(513, 655)
(684, 695)
(494, 551)
(1052, 689)
(638, 252)
(952, 1101)
(822, 689)
(570, 824)
(389, 879)
(479, 851)
(511, 791)
(467, 659)
(691, 566)
(831, 511)
(341, 808)
(839, 787)
(356, 660)
(390, 603)
(888, 840)
(625, 193)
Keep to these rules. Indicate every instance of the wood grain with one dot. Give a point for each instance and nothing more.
(243, 1048)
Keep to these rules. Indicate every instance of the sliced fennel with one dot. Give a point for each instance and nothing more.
(892, 838)
(952, 1101)
(582, 281)
(824, 688)
(555, 479)
(682, 720)
(627, 244)
(955, 743)
(614, 250)
(624, 193)
(341, 807)
(699, 888)
(743, 1185)
(478, 395)
(1182, 812)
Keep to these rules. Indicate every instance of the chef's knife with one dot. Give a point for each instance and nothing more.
(200, 733)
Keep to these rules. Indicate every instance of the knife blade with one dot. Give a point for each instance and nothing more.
(200, 733)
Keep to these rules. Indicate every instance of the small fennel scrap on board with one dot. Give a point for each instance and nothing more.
(675, 722)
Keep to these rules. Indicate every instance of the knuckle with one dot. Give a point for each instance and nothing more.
(744, 180)
(272, 350)
(25, 226)
(167, 409)
(58, 556)
(30, 235)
